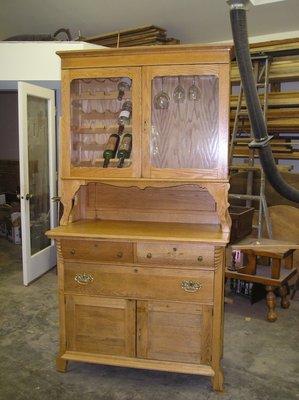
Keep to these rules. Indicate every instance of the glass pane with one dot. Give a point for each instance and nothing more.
(38, 160)
(101, 114)
(184, 122)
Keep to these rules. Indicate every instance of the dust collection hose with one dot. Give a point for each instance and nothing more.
(258, 126)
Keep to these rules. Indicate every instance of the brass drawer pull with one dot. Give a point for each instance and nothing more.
(191, 286)
(149, 255)
(199, 258)
(120, 254)
(72, 252)
(84, 279)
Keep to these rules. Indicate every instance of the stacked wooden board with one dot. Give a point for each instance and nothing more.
(283, 107)
(142, 36)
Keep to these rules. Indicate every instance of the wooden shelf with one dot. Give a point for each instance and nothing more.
(100, 130)
(97, 115)
(101, 96)
(98, 162)
(132, 230)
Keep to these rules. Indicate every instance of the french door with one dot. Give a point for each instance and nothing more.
(37, 150)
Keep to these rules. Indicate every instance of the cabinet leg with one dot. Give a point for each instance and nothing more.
(61, 364)
(283, 294)
(271, 303)
(217, 380)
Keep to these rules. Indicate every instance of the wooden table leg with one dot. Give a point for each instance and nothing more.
(283, 294)
(271, 303)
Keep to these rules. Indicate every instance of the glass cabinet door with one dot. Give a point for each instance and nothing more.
(183, 122)
(104, 122)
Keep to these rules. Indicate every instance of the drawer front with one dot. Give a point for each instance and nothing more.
(175, 253)
(95, 250)
(139, 282)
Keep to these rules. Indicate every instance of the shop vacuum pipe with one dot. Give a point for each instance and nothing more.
(261, 142)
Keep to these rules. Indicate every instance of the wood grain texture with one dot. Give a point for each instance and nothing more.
(175, 254)
(139, 282)
(95, 250)
(133, 230)
(184, 368)
(163, 329)
(186, 134)
(177, 204)
(100, 325)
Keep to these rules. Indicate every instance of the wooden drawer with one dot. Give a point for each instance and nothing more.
(139, 282)
(175, 253)
(95, 250)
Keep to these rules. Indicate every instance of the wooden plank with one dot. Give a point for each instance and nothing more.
(281, 69)
(140, 363)
(275, 99)
(132, 230)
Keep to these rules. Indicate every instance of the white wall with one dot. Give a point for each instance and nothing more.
(35, 61)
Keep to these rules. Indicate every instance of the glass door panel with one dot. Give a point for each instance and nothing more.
(38, 168)
(184, 122)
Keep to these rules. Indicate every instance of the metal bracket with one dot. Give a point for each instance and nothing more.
(260, 143)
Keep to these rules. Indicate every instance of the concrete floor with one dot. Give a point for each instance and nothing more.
(261, 359)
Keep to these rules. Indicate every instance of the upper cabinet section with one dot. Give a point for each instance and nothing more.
(153, 113)
(102, 117)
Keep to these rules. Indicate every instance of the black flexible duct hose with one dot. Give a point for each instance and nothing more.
(259, 128)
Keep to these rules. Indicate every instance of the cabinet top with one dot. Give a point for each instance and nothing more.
(147, 55)
(139, 230)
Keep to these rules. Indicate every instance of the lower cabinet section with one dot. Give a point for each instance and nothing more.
(155, 330)
(170, 331)
(100, 325)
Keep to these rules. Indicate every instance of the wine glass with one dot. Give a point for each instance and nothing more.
(161, 100)
(179, 94)
(194, 92)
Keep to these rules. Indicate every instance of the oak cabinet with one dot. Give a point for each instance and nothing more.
(141, 245)
(100, 325)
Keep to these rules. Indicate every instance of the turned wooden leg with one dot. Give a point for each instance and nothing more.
(283, 294)
(271, 303)
(61, 364)
(217, 380)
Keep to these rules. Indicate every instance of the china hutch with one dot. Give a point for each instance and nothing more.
(142, 238)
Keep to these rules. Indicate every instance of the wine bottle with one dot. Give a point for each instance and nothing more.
(124, 150)
(125, 113)
(110, 149)
(124, 84)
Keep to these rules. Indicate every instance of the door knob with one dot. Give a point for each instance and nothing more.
(28, 196)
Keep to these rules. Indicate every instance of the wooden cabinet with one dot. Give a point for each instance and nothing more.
(141, 247)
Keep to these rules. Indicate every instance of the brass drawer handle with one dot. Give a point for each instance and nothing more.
(149, 255)
(83, 279)
(199, 258)
(191, 286)
(119, 254)
(72, 252)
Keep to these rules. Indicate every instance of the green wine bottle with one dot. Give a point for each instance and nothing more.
(124, 150)
(110, 149)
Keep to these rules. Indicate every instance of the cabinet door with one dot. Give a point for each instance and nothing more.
(186, 111)
(91, 108)
(100, 325)
(171, 331)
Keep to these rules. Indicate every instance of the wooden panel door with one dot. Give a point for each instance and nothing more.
(100, 325)
(170, 331)
(91, 108)
(185, 126)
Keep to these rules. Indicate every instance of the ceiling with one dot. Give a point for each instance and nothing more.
(191, 21)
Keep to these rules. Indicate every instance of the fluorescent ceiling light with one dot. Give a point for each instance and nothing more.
(261, 2)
